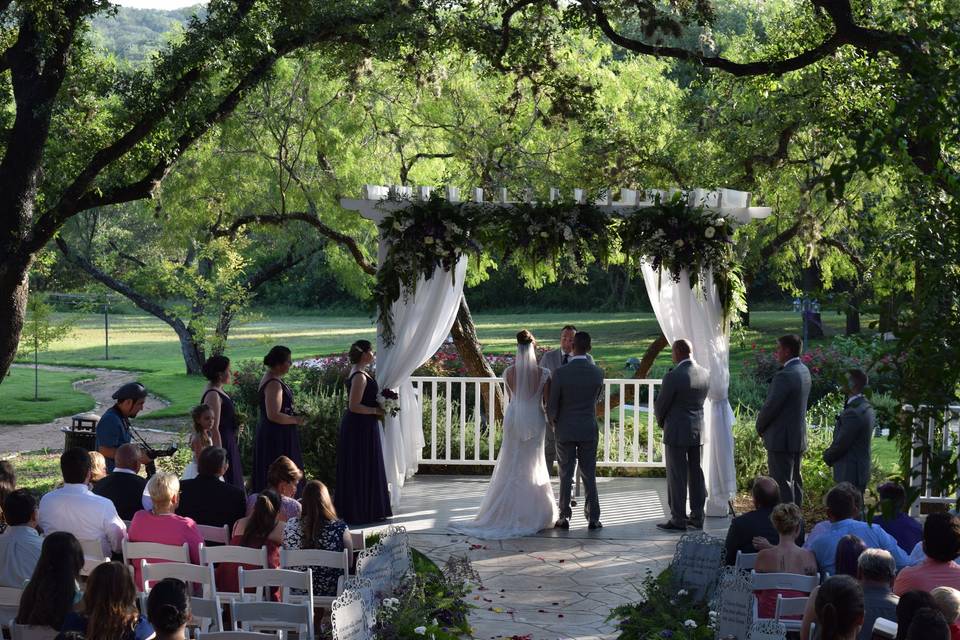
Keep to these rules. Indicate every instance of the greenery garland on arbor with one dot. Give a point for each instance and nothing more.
(547, 242)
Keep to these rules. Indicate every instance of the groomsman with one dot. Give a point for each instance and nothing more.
(679, 412)
(553, 360)
(849, 455)
(782, 421)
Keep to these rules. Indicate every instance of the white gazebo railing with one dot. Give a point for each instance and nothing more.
(458, 428)
(943, 436)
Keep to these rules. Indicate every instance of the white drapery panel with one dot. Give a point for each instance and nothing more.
(697, 315)
(420, 325)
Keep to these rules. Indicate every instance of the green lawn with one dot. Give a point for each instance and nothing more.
(39, 471)
(57, 397)
(139, 342)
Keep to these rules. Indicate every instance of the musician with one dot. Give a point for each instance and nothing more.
(113, 429)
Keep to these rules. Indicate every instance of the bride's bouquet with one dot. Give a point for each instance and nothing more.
(390, 401)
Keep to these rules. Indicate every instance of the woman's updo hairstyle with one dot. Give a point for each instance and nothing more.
(357, 349)
(839, 607)
(276, 356)
(214, 368)
(168, 607)
(786, 518)
(524, 337)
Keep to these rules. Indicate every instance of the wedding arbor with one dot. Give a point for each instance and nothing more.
(679, 241)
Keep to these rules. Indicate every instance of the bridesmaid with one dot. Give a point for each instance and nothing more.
(225, 431)
(277, 433)
(361, 495)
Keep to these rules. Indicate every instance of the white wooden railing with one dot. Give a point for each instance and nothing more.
(458, 428)
(943, 435)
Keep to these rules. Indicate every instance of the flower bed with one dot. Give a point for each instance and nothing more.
(663, 614)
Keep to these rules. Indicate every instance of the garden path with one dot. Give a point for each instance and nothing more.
(557, 584)
(101, 384)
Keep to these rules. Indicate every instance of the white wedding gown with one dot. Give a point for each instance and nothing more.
(519, 500)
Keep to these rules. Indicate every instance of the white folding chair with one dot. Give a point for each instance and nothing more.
(134, 552)
(263, 580)
(9, 604)
(28, 632)
(218, 535)
(189, 573)
(276, 616)
(885, 628)
(236, 635)
(92, 556)
(780, 582)
(213, 556)
(312, 558)
(206, 615)
(790, 607)
(746, 561)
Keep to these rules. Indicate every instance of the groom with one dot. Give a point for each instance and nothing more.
(572, 407)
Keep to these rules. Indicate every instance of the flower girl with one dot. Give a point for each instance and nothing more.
(201, 438)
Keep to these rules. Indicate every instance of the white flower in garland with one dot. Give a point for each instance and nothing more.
(709, 232)
(679, 242)
(428, 240)
(544, 234)
(567, 233)
(420, 631)
(690, 624)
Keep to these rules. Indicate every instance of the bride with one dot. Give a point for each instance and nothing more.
(519, 499)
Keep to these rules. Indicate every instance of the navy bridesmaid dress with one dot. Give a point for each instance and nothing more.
(274, 440)
(361, 495)
(228, 437)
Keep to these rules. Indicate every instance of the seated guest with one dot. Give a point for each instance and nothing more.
(8, 482)
(839, 608)
(848, 553)
(283, 476)
(123, 486)
(207, 499)
(941, 544)
(318, 527)
(263, 527)
(756, 524)
(20, 544)
(842, 512)
(928, 624)
(785, 557)
(876, 570)
(910, 603)
(108, 610)
(54, 587)
(74, 508)
(162, 524)
(824, 525)
(948, 602)
(168, 609)
(98, 467)
(907, 531)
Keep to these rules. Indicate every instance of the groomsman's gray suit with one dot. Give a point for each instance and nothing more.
(572, 407)
(679, 412)
(553, 360)
(782, 423)
(849, 455)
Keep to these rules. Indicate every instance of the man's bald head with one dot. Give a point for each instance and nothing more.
(766, 492)
(681, 350)
(127, 457)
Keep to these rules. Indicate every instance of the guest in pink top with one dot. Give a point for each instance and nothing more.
(161, 524)
(941, 544)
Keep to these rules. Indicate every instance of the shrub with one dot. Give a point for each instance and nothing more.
(320, 432)
(662, 613)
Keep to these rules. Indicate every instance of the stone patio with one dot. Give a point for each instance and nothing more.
(558, 584)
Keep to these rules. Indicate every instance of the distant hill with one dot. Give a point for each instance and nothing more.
(133, 34)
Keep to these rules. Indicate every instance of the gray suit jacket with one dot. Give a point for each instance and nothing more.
(572, 406)
(553, 360)
(679, 405)
(849, 455)
(782, 421)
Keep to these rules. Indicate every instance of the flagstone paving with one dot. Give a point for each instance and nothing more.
(557, 584)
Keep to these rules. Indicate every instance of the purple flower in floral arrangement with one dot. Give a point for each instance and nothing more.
(666, 633)
(391, 402)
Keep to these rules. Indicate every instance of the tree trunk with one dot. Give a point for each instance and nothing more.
(468, 346)
(191, 348)
(650, 356)
(14, 286)
(853, 315)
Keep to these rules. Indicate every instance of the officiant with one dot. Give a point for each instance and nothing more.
(553, 360)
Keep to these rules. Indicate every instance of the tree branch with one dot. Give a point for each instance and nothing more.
(774, 159)
(844, 248)
(274, 269)
(126, 256)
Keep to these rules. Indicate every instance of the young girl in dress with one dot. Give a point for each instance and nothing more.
(201, 438)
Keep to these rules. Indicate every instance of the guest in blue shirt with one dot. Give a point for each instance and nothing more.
(113, 429)
(905, 530)
(842, 512)
(20, 544)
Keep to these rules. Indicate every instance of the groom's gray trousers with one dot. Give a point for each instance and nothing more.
(571, 453)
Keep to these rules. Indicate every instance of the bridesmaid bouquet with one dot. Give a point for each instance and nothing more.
(390, 402)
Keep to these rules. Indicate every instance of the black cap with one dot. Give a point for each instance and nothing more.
(130, 391)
